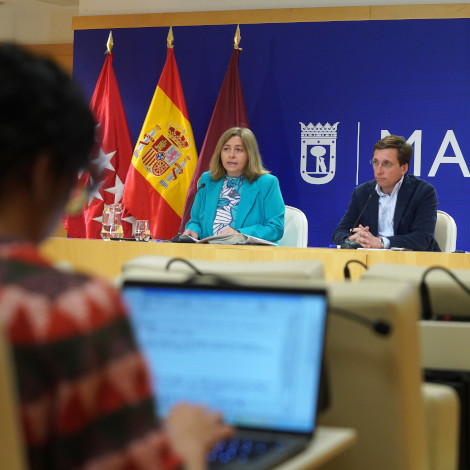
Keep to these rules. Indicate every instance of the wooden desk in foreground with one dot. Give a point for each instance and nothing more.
(105, 258)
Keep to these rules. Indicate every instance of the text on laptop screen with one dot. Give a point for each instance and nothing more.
(254, 355)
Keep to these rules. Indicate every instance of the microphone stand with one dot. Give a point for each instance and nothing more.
(181, 237)
(351, 244)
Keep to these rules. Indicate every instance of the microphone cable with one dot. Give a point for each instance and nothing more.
(217, 280)
(347, 272)
(362, 211)
(381, 327)
(184, 261)
(424, 290)
(351, 244)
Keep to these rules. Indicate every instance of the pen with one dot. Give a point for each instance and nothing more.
(334, 246)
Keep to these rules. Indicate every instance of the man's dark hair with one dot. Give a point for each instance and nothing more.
(405, 150)
(42, 111)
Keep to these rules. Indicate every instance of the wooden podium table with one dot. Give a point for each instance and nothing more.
(419, 258)
(105, 258)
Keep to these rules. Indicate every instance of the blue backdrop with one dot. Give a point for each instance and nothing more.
(410, 78)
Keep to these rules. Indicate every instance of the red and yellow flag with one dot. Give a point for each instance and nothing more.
(164, 156)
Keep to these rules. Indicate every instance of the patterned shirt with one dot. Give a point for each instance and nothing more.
(83, 386)
(227, 207)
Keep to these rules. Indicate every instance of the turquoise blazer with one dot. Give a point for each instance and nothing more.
(260, 210)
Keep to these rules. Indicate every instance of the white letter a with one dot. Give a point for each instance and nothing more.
(441, 158)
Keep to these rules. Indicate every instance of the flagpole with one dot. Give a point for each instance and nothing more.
(114, 156)
(237, 39)
(165, 156)
(229, 111)
(109, 43)
(170, 38)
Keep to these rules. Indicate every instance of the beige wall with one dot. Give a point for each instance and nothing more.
(30, 24)
(110, 7)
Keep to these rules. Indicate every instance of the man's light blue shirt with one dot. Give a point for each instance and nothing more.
(387, 204)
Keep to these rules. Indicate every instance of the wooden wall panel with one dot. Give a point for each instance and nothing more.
(420, 12)
(61, 53)
(284, 15)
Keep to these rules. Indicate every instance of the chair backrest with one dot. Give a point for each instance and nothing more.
(375, 381)
(295, 228)
(446, 232)
(11, 447)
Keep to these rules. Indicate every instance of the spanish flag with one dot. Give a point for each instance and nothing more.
(164, 156)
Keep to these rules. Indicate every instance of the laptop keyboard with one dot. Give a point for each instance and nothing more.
(240, 450)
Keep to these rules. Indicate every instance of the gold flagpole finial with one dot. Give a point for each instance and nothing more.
(110, 43)
(170, 38)
(237, 38)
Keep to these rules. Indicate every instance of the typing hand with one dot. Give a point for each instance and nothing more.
(193, 431)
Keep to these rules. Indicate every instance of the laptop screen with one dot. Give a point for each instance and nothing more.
(253, 354)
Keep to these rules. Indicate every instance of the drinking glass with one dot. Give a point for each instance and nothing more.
(111, 219)
(142, 231)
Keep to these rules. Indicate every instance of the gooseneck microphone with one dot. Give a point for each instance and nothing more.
(380, 327)
(427, 313)
(351, 244)
(347, 272)
(181, 238)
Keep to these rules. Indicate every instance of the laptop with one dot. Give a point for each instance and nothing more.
(253, 353)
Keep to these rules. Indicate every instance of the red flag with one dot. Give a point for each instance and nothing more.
(229, 111)
(74, 218)
(112, 161)
(164, 157)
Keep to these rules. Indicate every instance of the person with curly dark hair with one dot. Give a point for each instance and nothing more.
(85, 399)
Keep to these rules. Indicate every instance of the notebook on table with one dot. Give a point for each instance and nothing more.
(254, 354)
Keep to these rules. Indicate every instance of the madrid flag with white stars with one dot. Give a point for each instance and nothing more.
(113, 159)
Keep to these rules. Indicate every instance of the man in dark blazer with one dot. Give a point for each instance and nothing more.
(393, 210)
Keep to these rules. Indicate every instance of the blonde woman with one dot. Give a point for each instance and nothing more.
(238, 194)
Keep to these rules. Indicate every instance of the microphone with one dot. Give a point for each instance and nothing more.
(380, 327)
(427, 313)
(347, 272)
(351, 244)
(181, 237)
